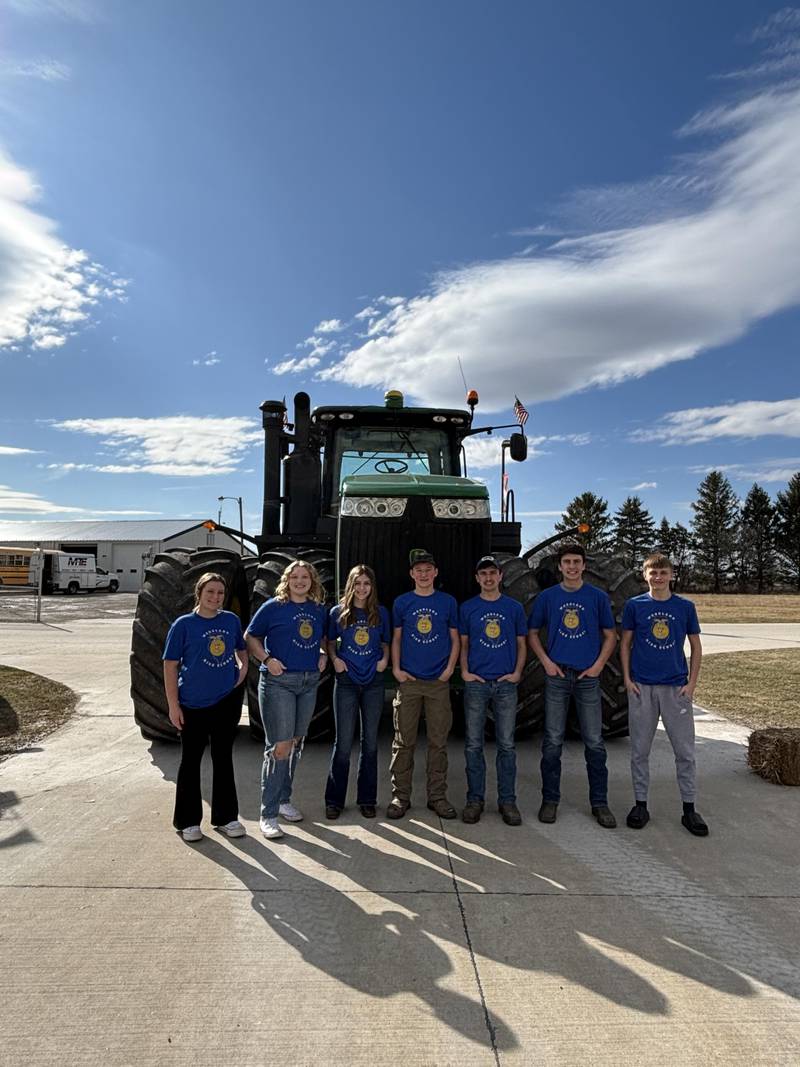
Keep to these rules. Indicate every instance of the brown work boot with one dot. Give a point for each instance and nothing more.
(397, 808)
(443, 808)
(472, 812)
(510, 814)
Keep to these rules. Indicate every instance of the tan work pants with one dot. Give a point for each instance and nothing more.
(411, 700)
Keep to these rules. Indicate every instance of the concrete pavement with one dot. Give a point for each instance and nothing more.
(364, 942)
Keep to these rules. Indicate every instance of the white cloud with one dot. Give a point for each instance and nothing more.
(744, 419)
(77, 10)
(9, 450)
(722, 252)
(47, 290)
(184, 445)
(766, 470)
(366, 313)
(329, 326)
(541, 514)
(46, 70)
(16, 502)
(644, 485)
(484, 452)
(295, 365)
(211, 359)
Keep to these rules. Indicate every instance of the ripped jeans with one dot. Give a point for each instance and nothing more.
(286, 703)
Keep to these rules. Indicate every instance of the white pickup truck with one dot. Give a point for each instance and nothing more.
(69, 572)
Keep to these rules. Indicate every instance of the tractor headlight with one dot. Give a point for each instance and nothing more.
(461, 508)
(373, 507)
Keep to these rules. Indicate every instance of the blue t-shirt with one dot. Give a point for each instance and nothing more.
(360, 645)
(291, 632)
(659, 631)
(574, 619)
(426, 622)
(492, 627)
(205, 648)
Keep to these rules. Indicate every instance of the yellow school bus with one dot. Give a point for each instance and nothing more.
(15, 565)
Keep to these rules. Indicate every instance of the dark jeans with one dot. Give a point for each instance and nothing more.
(349, 699)
(503, 696)
(586, 692)
(216, 726)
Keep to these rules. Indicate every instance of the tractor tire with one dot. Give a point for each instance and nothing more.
(167, 593)
(271, 566)
(520, 582)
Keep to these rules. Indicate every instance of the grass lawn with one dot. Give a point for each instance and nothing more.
(31, 707)
(746, 607)
(752, 688)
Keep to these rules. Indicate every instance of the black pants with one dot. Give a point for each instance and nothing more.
(215, 725)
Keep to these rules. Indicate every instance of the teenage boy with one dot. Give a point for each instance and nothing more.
(655, 626)
(425, 649)
(493, 630)
(580, 638)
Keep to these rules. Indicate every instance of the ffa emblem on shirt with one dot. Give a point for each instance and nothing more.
(216, 646)
(660, 629)
(571, 619)
(492, 629)
(424, 624)
(305, 629)
(361, 636)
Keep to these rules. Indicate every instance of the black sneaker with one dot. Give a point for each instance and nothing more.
(638, 817)
(510, 814)
(548, 811)
(604, 816)
(695, 824)
(472, 812)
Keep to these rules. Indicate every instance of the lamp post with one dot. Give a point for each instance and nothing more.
(241, 516)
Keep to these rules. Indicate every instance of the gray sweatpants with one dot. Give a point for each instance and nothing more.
(678, 718)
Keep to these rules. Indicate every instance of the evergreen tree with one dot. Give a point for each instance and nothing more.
(787, 507)
(634, 531)
(676, 542)
(757, 540)
(592, 510)
(714, 528)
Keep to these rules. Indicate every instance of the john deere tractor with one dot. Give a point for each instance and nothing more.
(351, 484)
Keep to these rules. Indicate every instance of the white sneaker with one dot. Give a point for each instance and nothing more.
(270, 828)
(232, 829)
(290, 813)
(192, 833)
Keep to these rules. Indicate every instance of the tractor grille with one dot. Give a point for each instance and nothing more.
(384, 544)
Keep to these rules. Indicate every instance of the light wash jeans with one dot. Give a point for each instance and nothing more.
(586, 692)
(286, 703)
(503, 696)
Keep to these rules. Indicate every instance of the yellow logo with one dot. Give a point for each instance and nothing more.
(492, 629)
(424, 624)
(216, 646)
(305, 629)
(661, 629)
(571, 620)
(361, 636)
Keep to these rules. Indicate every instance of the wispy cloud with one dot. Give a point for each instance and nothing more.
(720, 252)
(17, 502)
(643, 485)
(183, 445)
(766, 470)
(211, 359)
(10, 450)
(294, 365)
(74, 10)
(46, 70)
(48, 291)
(744, 419)
(329, 326)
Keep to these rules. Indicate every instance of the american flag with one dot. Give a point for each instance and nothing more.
(520, 411)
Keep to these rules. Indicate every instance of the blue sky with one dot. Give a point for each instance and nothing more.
(204, 205)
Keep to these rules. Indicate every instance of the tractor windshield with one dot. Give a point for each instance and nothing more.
(384, 450)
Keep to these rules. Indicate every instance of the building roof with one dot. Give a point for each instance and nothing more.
(88, 530)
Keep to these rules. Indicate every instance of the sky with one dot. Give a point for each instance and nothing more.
(203, 205)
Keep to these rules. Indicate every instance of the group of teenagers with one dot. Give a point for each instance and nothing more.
(294, 635)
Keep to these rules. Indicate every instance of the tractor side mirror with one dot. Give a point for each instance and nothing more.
(518, 447)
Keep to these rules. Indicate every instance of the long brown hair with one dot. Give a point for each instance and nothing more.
(347, 615)
(315, 593)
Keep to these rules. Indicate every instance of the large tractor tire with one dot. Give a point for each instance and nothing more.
(168, 592)
(270, 568)
(620, 582)
(520, 582)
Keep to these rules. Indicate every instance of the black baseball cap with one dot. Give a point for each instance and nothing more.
(420, 555)
(485, 562)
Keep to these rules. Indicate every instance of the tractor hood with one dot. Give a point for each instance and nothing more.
(432, 485)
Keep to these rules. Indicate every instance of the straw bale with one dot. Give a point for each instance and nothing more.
(775, 754)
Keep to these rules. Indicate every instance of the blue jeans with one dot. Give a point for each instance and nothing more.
(286, 703)
(586, 692)
(503, 696)
(348, 699)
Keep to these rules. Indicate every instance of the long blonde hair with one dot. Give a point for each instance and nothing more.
(315, 593)
(347, 615)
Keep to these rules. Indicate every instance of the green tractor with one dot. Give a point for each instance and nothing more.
(353, 484)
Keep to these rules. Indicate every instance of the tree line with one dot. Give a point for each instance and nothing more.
(750, 545)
